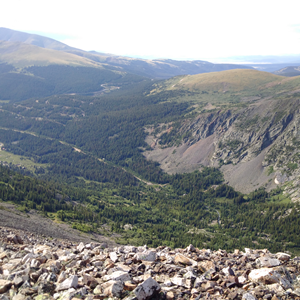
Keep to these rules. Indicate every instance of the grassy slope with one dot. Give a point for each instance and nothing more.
(231, 80)
(226, 88)
(23, 55)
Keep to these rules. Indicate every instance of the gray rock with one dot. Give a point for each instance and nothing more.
(147, 289)
(118, 275)
(248, 296)
(266, 261)
(146, 256)
(70, 282)
(113, 288)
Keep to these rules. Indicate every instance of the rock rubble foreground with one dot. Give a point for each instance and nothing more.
(41, 268)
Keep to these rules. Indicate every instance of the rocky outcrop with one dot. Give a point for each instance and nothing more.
(262, 136)
(62, 270)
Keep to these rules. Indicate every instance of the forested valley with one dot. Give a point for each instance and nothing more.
(89, 171)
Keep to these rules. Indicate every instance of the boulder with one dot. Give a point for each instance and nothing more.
(146, 256)
(147, 289)
(268, 276)
(181, 259)
(113, 288)
(68, 283)
(266, 261)
(118, 276)
(283, 256)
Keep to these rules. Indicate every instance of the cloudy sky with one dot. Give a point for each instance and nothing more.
(187, 29)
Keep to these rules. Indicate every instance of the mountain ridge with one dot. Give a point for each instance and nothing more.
(159, 69)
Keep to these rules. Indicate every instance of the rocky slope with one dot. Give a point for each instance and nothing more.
(32, 267)
(255, 140)
(38, 225)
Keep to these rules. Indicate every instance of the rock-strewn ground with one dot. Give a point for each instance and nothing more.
(36, 267)
(34, 222)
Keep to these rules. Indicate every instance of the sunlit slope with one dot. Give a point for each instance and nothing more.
(231, 80)
(10, 35)
(23, 55)
(231, 86)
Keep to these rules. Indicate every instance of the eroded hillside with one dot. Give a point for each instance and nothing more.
(251, 129)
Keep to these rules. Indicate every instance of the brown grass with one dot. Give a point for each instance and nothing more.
(22, 55)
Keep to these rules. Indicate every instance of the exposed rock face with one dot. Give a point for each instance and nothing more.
(264, 134)
(92, 271)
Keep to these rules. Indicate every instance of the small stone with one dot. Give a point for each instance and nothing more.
(16, 239)
(170, 295)
(19, 297)
(128, 286)
(205, 266)
(232, 295)
(43, 297)
(228, 271)
(4, 285)
(97, 290)
(80, 247)
(113, 256)
(191, 248)
(248, 296)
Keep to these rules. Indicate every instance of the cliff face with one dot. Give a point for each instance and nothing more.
(256, 143)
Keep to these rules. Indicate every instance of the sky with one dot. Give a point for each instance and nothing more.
(190, 29)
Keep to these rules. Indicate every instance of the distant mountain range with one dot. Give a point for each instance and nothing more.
(159, 69)
(289, 71)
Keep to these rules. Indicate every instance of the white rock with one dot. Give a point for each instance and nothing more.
(80, 247)
(191, 248)
(129, 249)
(68, 283)
(248, 296)
(113, 256)
(268, 276)
(248, 251)
(266, 261)
(35, 263)
(146, 256)
(189, 275)
(118, 276)
(242, 279)
(227, 271)
(27, 258)
(177, 280)
(275, 287)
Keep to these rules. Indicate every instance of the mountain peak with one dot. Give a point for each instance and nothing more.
(10, 35)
